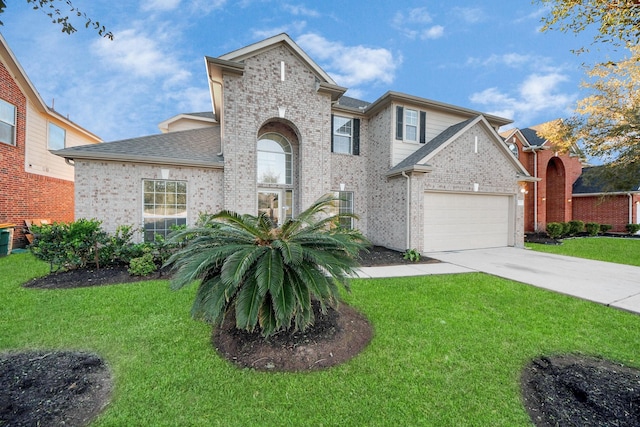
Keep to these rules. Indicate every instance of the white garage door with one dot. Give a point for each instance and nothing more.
(465, 221)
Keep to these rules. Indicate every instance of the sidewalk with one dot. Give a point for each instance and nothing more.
(411, 270)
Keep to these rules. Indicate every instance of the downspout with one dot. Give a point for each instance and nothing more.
(535, 191)
(630, 208)
(408, 209)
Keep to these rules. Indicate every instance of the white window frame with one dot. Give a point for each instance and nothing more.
(414, 125)
(285, 153)
(162, 205)
(53, 131)
(11, 125)
(338, 135)
(345, 204)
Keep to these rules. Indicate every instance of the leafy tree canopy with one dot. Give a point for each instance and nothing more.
(618, 21)
(607, 122)
(52, 10)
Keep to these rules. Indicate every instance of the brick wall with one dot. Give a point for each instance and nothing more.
(613, 210)
(26, 195)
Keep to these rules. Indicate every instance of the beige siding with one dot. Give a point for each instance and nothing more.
(187, 124)
(38, 159)
(436, 123)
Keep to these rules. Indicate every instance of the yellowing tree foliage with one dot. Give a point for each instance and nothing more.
(618, 21)
(607, 122)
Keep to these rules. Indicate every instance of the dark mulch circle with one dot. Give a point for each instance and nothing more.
(572, 390)
(334, 338)
(52, 388)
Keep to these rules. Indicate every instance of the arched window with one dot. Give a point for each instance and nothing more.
(274, 160)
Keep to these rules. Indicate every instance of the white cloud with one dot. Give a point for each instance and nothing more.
(411, 23)
(537, 94)
(434, 32)
(513, 60)
(141, 54)
(301, 10)
(350, 65)
(159, 5)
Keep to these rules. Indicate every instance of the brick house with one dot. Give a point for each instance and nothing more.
(35, 183)
(563, 192)
(550, 198)
(419, 173)
(592, 203)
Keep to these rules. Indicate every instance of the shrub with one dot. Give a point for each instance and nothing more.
(267, 275)
(555, 230)
(566, 228)
(412, 255)
(632, 228)
(605, 227)
(592, 228)
(575, 227)
(74, 245)
(142, 265)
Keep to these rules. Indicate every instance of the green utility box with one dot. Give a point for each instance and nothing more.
(6, 239)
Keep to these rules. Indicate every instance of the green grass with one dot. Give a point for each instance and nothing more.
(618, 250)
(447, 350)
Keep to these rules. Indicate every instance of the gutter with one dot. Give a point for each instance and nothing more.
(408, 210)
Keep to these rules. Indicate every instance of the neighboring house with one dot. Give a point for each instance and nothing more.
(36, 184)
(564, 191)
(420, 174)
(591, 203)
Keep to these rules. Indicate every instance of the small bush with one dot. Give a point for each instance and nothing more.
(143, 265)
(632, 228)
(412, 255)
(555, 230)
(605, 227)
(593, 228)
(566, 228)
(575, 227)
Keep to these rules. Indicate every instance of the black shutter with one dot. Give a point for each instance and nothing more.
(356, 137)
(423, 127)
(332, 133)
(399, 124)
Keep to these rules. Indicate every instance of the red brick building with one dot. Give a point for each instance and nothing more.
(562, 193)
(35, 183)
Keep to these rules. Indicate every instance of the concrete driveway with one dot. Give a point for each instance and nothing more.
(610, 284)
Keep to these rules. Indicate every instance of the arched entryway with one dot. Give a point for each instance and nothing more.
(556, 191)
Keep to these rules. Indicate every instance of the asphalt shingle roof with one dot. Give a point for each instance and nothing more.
(532, 137)
(431, 146)
(195, 147)
(592, 182)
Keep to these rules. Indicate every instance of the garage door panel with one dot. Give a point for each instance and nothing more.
(465, 221)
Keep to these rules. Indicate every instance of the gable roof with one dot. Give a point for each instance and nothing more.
(18, 73)
(416, 161)
(239, 55)
(205, 117)
(531, 135)
(194, 147)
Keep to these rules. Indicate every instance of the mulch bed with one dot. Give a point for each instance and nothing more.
(565, 390)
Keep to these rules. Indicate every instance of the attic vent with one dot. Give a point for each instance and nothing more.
(282, 71)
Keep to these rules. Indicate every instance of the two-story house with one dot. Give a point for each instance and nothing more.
(35, 184)
(420, 174)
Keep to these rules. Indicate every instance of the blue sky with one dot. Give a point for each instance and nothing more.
(486, 55)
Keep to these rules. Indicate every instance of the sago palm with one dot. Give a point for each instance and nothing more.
(268, 275)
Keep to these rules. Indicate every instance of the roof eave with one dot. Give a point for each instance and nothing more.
(334, 90)
(419, 168)
(128, 158)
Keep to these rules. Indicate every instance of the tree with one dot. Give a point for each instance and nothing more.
(49, 7)
(268, 275)
(607, 122)
(618, 21)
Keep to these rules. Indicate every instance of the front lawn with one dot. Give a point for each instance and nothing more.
(447, 350)
(611, 249)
